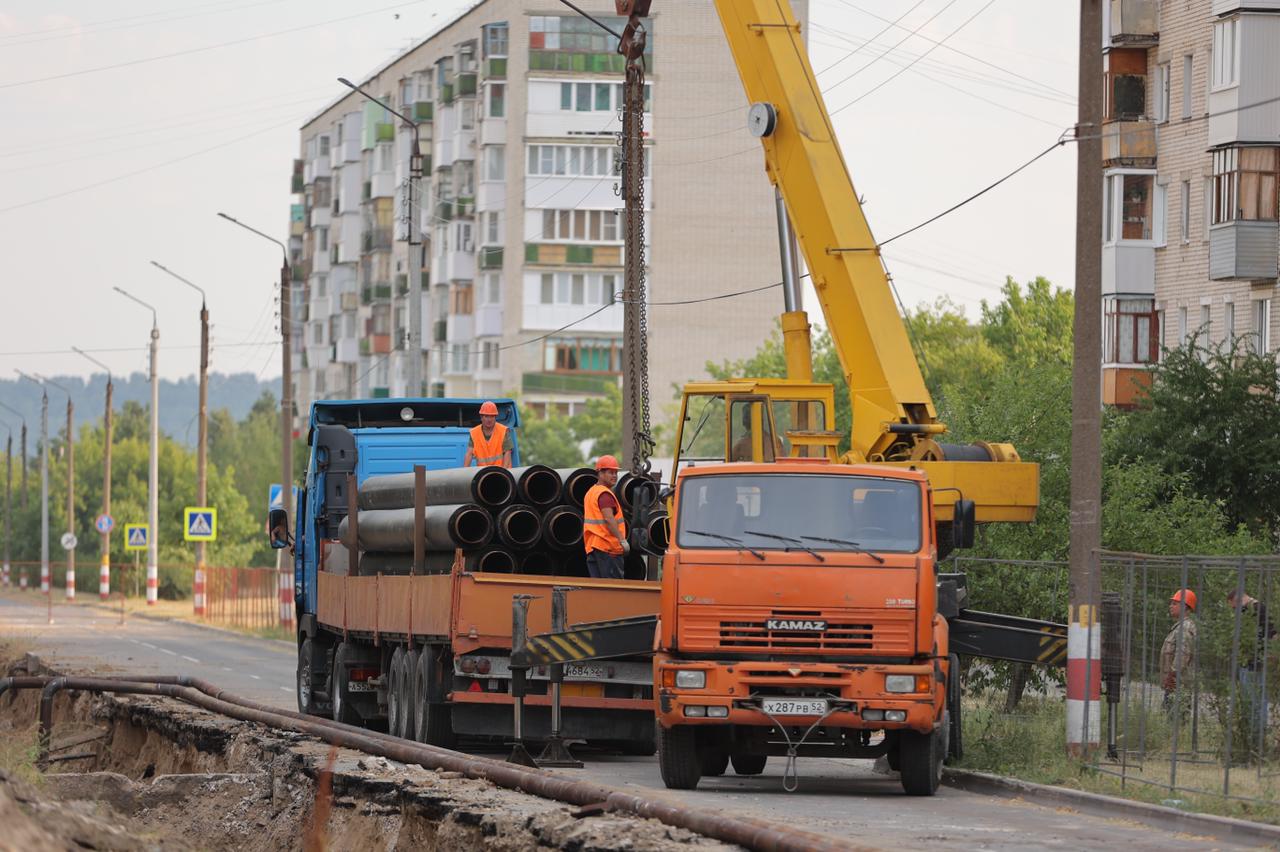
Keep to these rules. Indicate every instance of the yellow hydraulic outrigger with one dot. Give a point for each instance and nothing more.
(894, 421)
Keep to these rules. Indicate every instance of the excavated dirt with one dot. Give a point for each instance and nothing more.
(153, 773)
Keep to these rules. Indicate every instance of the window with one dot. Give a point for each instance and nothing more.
(348, 325)
(1161, 213)
(406, 91)
(317, 333)
(1163, 84)
(339, 127)
(1129, 213)
(497, 100)
(321, 288)
(583, 355)
(581, 225)
(1245, 184)
(1186, 86)
(495, 162)
(1229, 325)
(496, 37)
(578, 288)
(493, 228)
(493, 288)
(1202, 333)
(1185, 213)
(322, 239)
(548, 289)
(489, 356)
(384, 157)
(464, 237)
(462, 301)
(1226, 42)
(1183, 331)
(459, 358)
(1130, 331)
(1206, 208)
(335, 327)
(324, 146)
(1260, 329)
(467, 114)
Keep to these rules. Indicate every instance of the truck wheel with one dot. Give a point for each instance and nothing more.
(309, 702)
(714, 762)
(678, 757)
(920, 757)
(409, 694)
(749, 764)
(340, 705)
(395, 694)
(433, 722)
(955, 745)
(892, 755)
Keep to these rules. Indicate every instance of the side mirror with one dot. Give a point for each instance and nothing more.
(278, 528)
(963, 524)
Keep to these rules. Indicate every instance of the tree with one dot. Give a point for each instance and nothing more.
(599, 424)
(549, 441)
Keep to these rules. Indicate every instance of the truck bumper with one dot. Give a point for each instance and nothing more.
(855, 693)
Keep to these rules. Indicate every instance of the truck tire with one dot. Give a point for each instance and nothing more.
(339, 697)
(955, 744)
(395, 693)
(433, 722)
(409, 701)
(749, 764)
(713, 762)
(678, 760)
(920, 759)
(309, 701)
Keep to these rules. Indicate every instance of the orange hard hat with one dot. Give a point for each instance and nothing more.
(607, 462)
(489, 408)
(1185, 596)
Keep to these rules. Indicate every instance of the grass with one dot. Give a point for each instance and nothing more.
(19, 746)
(1029, 745)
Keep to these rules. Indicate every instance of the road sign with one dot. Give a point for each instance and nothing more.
(68, 541)
(275, 496)
(200, 523)
(104, 523)
(136, 536)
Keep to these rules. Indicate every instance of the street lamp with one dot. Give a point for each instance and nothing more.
(44, 485)
(104, 569)
(23, 418)
(286, 367)
(202, 448)
(415, 239)
(153, 477)
(70, 586)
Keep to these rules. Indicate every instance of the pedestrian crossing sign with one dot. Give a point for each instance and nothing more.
(200, 523)
(136, 536)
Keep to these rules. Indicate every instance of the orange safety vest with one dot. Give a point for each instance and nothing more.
(488, 450)
(595, 532)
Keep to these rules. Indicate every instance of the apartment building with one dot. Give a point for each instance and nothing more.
(516, 105)
(1191, 147)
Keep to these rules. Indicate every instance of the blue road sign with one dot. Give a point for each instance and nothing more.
(136, 536)
(104, 523)
(200, 523)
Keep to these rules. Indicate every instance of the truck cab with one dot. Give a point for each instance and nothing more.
(799, 616)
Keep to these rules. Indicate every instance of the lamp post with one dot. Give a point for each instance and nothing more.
(44, 490)
(104, 569)
(202, 447)
(415, 239)
(8, 502)
(286, 366)
(21, 417)
(70, 581)
(153, 476)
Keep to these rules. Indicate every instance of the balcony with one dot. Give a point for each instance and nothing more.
(378, 239)
(440, 331)
(491, 257)
(446, 93)
(384, 132)
(1244, 250)
(1129, 143)
(1128, 269)
(466, 83)
(1135, 22)
(560, 254)
(465, 207)
(423, 111)
(375, 293)
(1125, 387)
(488, 321)
(461, 328)
(1226, 7)
(496, 68)
(566, 383)
(444, 211)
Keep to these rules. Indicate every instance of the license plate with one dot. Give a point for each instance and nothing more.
(795, 706)
(584, 672)
(361, 686)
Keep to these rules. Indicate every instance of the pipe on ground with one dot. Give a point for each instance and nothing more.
(562, 528)
(519, 527)
(391, 530)
(538, 485)
(492, 487)
(577, 482)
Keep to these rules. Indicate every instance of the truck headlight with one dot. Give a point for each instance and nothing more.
(899, 683)
(714, 712)
(687, 679)
(695, 710)
(895, 715)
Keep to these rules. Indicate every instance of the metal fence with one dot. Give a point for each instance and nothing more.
(246, 597)
(1189, 707)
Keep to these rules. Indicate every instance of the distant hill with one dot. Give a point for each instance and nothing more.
(235, 392)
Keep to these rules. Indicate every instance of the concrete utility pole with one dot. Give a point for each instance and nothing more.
(104, 569)
(70, 579)
(44, 484)
(286, 366)
(202, 447)
(8, 501)
(153, 474)
(1084, 666)
(414, 378)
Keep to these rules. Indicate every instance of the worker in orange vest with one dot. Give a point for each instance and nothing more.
(490, 441)
(604, 533)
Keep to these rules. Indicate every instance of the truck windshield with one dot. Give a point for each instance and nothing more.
(771, 511)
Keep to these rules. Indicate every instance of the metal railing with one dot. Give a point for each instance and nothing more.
(244, 597)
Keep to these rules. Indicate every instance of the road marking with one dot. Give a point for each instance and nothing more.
(190, 659)
(225, 669)
(149, 645)
(255, 677)
(170, 653)
(135, 641)
(285, 689)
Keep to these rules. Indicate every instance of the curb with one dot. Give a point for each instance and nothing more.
(1097, 804)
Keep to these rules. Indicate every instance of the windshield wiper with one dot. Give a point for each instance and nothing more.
(799, 544)
(859, 548)
(736, 542)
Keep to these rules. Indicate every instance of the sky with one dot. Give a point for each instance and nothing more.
(129, 124)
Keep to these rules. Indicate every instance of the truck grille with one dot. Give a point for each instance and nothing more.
(746, 629)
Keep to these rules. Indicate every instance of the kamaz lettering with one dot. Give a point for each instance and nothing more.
(795, 624)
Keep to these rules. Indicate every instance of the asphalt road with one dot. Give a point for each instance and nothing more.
(844, 798)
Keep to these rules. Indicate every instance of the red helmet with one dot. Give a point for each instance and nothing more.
(607, 462)
(1185, 596)
(489, 408)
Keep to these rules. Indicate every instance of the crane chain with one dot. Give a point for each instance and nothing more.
(631, 168)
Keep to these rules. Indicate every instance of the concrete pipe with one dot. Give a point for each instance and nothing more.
(562, 528)
(492, 487)
(391, 530)
(538, 485)
(577, 482)
(519, 527)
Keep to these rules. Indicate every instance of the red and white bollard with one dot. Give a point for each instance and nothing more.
(22, 580)
(104, 578)
(44, 578)
(1084, 680)
(197, 591)
(71, 584)
(6, 573)
(153, 584)
(286, 598)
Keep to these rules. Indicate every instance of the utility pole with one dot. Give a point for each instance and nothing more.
(202, 447)
(70, 579)
(104, 569)
(414, 378)
(1084, 667)
(22, 418)
(8, 501)
(153, 474)
(286, 366)
(44, 486)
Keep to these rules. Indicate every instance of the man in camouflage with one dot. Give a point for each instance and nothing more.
(1178, 654)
